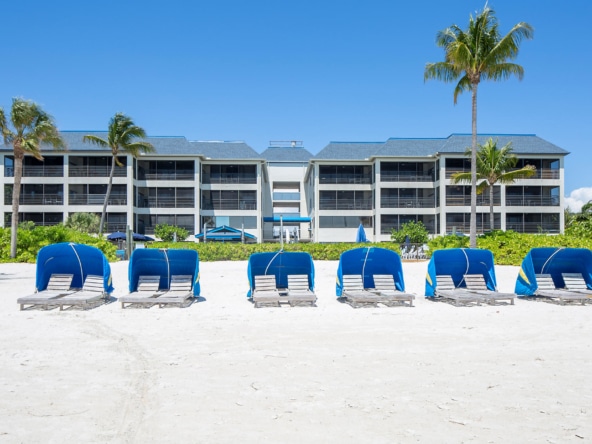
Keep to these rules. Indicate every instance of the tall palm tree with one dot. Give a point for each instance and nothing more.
(122, 138)
(479, 53)
(494, 166)
(31, 127)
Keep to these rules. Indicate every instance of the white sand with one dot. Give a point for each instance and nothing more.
(221, 371)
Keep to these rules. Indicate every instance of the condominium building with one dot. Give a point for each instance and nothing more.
(286, 190)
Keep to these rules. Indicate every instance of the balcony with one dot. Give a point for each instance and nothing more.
(345, 179)
(532, 201)
(37, 171)
(544, 173)
(96, 199)
(387, 176)
(166, 202)
(401, 202)
(39, 199)
(533, 227)
(286, 196)
(96, 171)
(230, 204)
(170, 175)
(229, 178)
(465, 201)
(345, 204)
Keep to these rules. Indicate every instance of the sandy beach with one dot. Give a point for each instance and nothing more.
(221, 371)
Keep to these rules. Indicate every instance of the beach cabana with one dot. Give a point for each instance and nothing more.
(164, 263)
(457, 262)
(226, 234)
(281, 264)
(79, 260)
(554, 262)
(367, 262)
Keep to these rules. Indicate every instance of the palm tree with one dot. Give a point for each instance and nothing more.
(494, 166)
(479, 53)
(121, 138)
(31, 127)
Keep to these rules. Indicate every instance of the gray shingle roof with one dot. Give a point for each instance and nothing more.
(409, 147)
(286, 154)
(348, 151)
(225, 150)
(521, 143)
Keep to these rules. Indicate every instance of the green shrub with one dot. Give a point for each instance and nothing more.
(167, 232)
(85, 222)
(415, 231)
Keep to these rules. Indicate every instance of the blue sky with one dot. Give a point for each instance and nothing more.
(314, 71)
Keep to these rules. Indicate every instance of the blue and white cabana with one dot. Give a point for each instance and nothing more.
(69, 258)
(164, 263)
(368, 261)
(281, 264)
(553, 261)
(457, 262)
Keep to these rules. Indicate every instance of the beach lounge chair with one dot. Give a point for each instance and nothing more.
(355, 294)
(299, 292)
(384, 287)
(91, 295)
(179, 293)
(546, 288)
(145, 293)
(57, 286)
(476, 284)
(576, 282)
(265, 291)
(445, 288)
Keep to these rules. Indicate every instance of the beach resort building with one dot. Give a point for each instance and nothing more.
(286, 192)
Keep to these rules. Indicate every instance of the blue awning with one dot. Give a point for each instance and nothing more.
(287, 219)
(225, 233)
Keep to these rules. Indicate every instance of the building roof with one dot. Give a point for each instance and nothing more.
(221, 150)
(286, 154)
(521, 143)
(348, 151)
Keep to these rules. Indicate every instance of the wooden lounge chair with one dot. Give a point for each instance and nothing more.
(546, 288)
(57, 286)
(265, 291)
(446, 289)
(179, 292)
(576, 282)
(476, 284)
(91, 295)
(145, 294)
(299, 292)
(384, 287)
(355, 294)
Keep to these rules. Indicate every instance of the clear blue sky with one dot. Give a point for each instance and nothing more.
(315, 71)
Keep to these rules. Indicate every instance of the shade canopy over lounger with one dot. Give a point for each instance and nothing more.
(281, 264)
(70, 258)
(457, 262)
(164, 263)
(367, 262)
(554, 262)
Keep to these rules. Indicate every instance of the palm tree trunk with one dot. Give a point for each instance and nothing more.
(16, 196)
(491, 223)
(107, 194)
(473, 222)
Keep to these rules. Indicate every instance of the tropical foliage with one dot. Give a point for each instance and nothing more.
(122, 138)
(29, 128)
(494, 166)
(414, 232)
(83, 222)
(478, 53)
(168, 232)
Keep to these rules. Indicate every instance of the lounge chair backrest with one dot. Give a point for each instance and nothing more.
(574, 281)
(148, 283)
(298, 282)
(93, 283)
(352, 282)
(384, 282)
(181, 282)
(475, 282)
(265, 282)
(545, 282)
(59, 282)
(444, 282)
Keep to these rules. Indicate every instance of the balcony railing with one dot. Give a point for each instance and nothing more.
(230, 204)
(534, 227)
(96, 199)
(449, 173)
(388, 176)
(167, 202)
(400, 202)
(345, 178)
(532, 201)
(544, 173)
(37, 171)
(286, 196)
(96, 171)
(229, 178)
(39, 199)
(464, 227)
(169, 175)
(345, 204)
(465, 201)
(387, 228)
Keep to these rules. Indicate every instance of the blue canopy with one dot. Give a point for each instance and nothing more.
(119, 235)
(368, 261)
(164, 263)
(457, 262)
(281, 264)
(553, 261)
(225, 233)
(70, 258)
